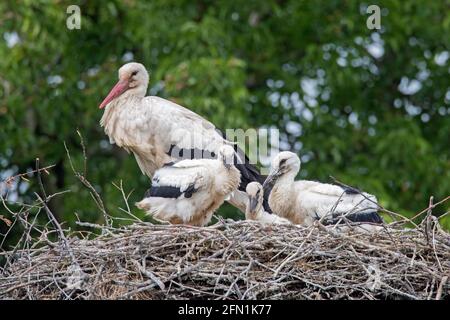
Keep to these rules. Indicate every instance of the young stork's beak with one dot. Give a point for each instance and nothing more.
(253, 202)
(271, 179)
(226, 163)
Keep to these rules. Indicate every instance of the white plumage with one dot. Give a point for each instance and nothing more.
(255, 210)
(158, 131)
(189, 191)
(303, 202)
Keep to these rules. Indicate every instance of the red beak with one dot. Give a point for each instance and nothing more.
(118, 89)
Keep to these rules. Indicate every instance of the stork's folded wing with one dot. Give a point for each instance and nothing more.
(180, 179)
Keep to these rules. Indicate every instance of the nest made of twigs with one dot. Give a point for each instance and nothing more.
(232, 260)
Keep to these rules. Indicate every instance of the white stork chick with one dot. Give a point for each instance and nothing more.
(303, 202)
(158, 131)
(189, 191)
(255, 210)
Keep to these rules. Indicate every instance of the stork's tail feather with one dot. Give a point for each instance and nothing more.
(361, 217)
(372, 217)
(347, 189)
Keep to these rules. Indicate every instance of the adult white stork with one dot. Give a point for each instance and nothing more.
(303, 202)
(255, 210)
(158, 131)
(189, 191)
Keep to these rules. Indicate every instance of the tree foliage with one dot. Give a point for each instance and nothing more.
(369, 107)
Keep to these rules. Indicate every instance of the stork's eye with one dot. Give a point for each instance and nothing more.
(134, 73)
(283, 162)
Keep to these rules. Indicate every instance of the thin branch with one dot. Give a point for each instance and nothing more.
(97, 198)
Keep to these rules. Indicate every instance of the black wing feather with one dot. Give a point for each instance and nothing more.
(169, 192)
(249, 172)
(367, 217)
(348, 189)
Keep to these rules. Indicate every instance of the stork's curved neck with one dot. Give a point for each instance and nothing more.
(287, 178)
(284, 187)
(126, 103)
(127, 99)
(282, 194)
(226, 178)
(138, 92)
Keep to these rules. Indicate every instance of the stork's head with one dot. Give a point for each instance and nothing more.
(255, 198)
(227, 155)
(284, 164)
(133, 80)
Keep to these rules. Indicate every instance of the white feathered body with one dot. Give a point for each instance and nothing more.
(212, 183)
(149, 126)
(266, 218)
(303, 202)
(255, 209)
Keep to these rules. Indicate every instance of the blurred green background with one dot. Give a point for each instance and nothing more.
(369, 107)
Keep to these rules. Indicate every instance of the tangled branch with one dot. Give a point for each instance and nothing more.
(232, 260)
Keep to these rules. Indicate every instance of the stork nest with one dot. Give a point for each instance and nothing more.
(231, 260)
